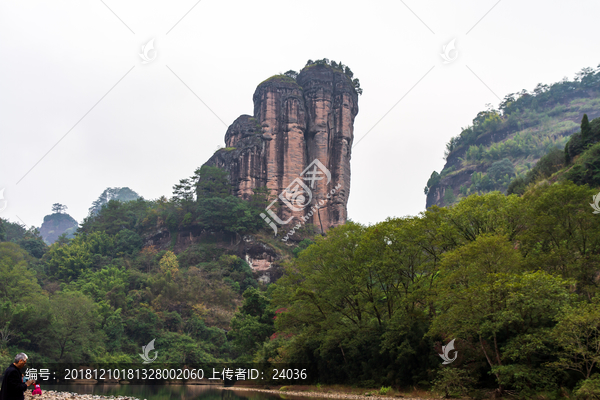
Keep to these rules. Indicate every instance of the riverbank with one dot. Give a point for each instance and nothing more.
(54, 395)
(345, 393)
(338, 392)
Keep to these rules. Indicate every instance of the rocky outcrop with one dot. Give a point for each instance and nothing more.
(55, 225)
(297, 145)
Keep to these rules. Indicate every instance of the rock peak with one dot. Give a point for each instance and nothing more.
(296, 121)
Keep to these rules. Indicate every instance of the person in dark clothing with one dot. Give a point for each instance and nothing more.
(12, 385)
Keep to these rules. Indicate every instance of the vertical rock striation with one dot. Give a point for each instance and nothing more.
(331, 104)
(295, 122)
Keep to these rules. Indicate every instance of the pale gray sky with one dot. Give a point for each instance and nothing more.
(146, 129)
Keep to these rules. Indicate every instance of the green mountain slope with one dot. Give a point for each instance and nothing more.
(503, 144)
(579, 162)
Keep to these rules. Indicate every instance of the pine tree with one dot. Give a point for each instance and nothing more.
(586, 130)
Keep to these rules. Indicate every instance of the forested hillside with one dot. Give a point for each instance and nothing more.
(516, 289)
(514, 280)
(511, 279)
(132, 274)
(505, 143)
(579, 162)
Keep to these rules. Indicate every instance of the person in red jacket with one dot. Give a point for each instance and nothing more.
(12, 385)
(37, 390)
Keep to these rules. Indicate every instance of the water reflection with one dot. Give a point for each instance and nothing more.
(164, 392)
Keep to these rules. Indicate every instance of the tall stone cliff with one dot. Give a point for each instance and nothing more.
(298, 142)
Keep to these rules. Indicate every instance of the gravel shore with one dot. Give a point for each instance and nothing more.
(324, 395)
(54, 395)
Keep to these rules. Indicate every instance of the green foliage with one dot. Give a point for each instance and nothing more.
(29, 239)
(586, 170)
(128, 242)
(517, 186)
(212, 182)
(480, 182)
(33, 243)
(453, 382)
(501, 169)
(301, 246)
(449, 197)
(229, 214)
(123, 194)
(13, 231)
(578, 335)
(545, 167)
(586, 130)
(336, 66)
(497, 273)
(344, 301)
(17, 280)
(85, 252)
(589, 389)
(106, 285)
(512, 279)
(74, 321)
(105, 295)
(199, 253)
(169, 264)
(574, 147)
(292, 74)
(563, 239)
(252, 325)
(384, 390)
(525, 127)
(58, 208)
(115, 216)
(450, 146)
(434, 179)
(487, 294)
(280, 77)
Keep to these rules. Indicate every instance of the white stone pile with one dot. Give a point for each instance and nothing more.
(53, 395)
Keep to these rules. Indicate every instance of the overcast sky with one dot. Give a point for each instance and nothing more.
(80, 112)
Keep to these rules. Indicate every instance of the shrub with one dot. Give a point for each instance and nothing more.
(574, 146)
(589, 388)
(501, 168)
(517, 186)
(453, 382)
(587, 168)
(384, 390)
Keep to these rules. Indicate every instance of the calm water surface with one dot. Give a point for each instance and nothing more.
(165, 392)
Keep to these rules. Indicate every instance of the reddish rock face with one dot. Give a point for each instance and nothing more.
(295, 123)
(331, 104)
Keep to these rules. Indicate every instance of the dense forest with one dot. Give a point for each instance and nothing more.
(513, 279)
(103, 294)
